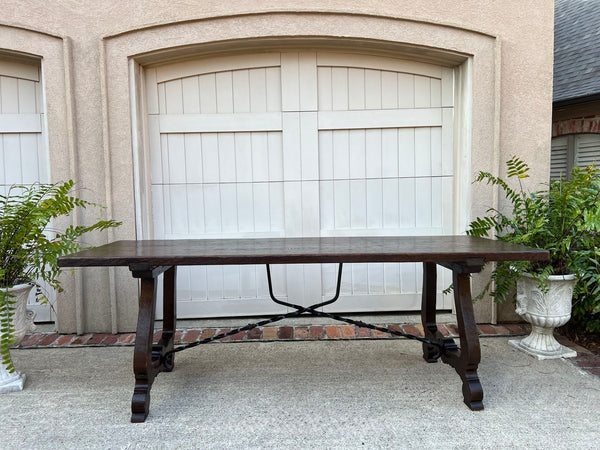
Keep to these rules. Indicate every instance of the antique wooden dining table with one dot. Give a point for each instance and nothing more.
(147, 259)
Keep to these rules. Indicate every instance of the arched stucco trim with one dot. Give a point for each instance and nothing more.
(475, 54)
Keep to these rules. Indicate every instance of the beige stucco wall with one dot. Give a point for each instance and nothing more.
(90, 49)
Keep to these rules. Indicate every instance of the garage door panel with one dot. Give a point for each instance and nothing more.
(30, 163)
(257, 78)
(341, 155)
(13, 162)
(208, 96)
(217, 158)
(389, 85)
(418, 117)
(356, 85)
(191, 99)
(357, 148)
(27, 96)
(237, 91)
(260, 160)
(195, 209)
(210, 290)
(423, 97)
(315, 144)
(374, 203)
(326, 155)
(226, 157)
(344, 89)
(389, 153)
(217, 64)
(192, 143)
(173, 97)
(220, 210)
(224, 94)
(447, 142)
(209, 283)
(390, 199)
(359, 279)
(378, 63)
(241, 90)
(339, 89)
(20, 123)
(9, 95)
(406, 90)
(391, 206)
(155, 149)
(373, 92)
(299, 81)
(373, 164)
(210, 157)
(23, 152)
(436, 93)
(407, 152)
(396, 287)
(175, 167)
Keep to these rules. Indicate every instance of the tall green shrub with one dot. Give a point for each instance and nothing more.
(29, 249)
(563, 219)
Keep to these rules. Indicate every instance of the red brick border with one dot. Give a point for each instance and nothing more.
(585, 360)
(588, 124)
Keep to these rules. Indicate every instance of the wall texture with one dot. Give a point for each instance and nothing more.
(90, 50)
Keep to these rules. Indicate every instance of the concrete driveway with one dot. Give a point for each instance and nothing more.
(303, 394)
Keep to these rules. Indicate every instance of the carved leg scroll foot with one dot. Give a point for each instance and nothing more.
(472, 392)
(140, 403)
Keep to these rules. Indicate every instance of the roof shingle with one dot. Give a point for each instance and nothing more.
(576, 49)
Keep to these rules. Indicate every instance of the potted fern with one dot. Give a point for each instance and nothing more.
(563, 219)
(29, 251)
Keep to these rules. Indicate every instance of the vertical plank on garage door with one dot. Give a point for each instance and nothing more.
(300, 165)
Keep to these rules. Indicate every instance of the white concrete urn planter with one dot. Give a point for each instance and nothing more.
(22, 322)
(544, 311)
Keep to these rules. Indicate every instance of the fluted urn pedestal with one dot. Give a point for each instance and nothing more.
(545, 311)
(22, 322)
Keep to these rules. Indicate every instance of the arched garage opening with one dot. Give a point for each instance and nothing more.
(302, 139)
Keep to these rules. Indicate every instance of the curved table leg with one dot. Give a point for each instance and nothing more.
(147, 358)
(142, 356)
(428, 316)
(467, 362)
(465, 359)
(169, 318)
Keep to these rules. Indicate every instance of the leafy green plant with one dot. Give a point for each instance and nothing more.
(29, 249)
(563, 219)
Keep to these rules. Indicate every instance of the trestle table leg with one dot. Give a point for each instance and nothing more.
(465, 359)
(147, 359)
(428, 316)
(467, 362)
(142, 355)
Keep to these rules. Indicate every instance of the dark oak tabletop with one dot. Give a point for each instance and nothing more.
(301, 250)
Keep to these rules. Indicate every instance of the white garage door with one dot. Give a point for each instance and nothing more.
(300, 144)
(23, 155)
